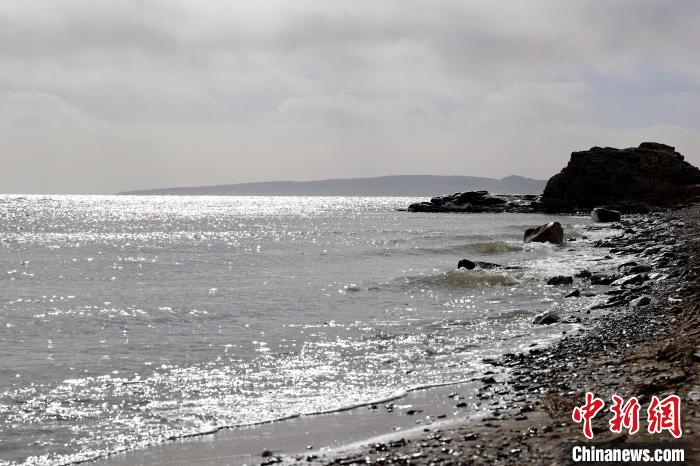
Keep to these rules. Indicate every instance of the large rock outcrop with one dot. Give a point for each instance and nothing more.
(478, 202)
(628, 180)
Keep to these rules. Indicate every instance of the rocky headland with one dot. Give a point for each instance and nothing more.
(640, 338)
(634, 180)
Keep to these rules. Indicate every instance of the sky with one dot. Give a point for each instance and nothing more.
(107, 96)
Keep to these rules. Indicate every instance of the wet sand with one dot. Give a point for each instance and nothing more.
(315, 435)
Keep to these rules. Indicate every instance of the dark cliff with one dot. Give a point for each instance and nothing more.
(630, 180)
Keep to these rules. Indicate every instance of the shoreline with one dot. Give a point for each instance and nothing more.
(528, 419)
(289, 439)
(639, 350)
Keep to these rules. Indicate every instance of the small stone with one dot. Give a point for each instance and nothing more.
(560, 280)
(641, 301)
(641, 268)
(632, 279)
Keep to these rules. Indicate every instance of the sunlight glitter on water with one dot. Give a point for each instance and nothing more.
(125, 321)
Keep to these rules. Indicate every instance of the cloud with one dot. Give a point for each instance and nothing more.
(216, 91)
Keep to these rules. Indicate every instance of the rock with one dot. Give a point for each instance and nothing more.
(549, 233)
(641, 301)
(546, 319)
(600, 214)
(469, 197)
(466, 264)
(628, 180)
(266, 453)
(642, 268)
(560, 280)
(489, 265)
(573, 294)
(632, 279)
(602, 279)
(469, 265)
(478, 201)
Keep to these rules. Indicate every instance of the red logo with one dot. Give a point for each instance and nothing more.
(661, 415)
(665, 415)
(626, 415)
(587, 412)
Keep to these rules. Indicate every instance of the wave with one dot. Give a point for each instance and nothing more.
(492, 248)
(397, 395)
(208, 430)
(461, 278)
(486, 248)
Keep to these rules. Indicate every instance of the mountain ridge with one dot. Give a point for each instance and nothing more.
(391, 185)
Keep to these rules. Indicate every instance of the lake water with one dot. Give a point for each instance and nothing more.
(125, 321)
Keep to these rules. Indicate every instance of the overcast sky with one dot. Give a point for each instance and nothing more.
(105, 96)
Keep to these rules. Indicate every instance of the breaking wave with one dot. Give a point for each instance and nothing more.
(461, 278)
(492, 248)
(486, 248)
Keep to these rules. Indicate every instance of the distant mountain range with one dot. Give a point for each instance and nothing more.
(401, 185)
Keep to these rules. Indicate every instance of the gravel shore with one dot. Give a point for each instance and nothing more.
(644, 340)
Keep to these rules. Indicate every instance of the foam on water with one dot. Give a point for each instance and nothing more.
(492, 248)
(461, 278)
(127, 321)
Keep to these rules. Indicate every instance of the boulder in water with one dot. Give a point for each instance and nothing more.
(549, 233)
(469, 265)
(546, 319)
(466, 264)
